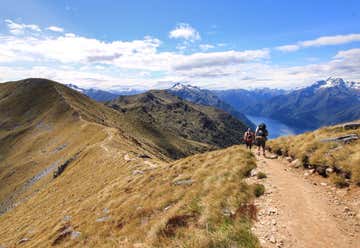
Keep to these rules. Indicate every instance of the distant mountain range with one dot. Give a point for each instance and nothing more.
(248, 101)
(103, 95)
(187, 92)
(208, 98)
(325, 102)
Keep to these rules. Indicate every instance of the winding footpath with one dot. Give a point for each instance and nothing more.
(305, 211)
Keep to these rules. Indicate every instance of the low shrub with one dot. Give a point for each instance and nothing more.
(339, 181)
(305, 161)
(261, 175)
(259, 189)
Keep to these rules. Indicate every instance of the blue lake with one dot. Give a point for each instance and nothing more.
(276, 128)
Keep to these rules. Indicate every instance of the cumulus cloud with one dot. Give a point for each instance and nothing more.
(20, 28)
(70, 48)
(321, 41)
(348, 54)
(331, 40)
(217, 76)
(88, 78)
(184, 31)
(89, 62)
(344, 64)
(198, 60)
(55, 29)
(136, 54)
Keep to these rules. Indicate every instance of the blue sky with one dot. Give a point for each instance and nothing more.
(151, 44)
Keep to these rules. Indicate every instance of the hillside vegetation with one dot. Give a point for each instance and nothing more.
(76, 173)
(43, 125)
(208, 98)
(179, 127)
(199, 201)
(315, 150)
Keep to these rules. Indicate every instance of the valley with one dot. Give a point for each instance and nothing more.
(155, 170)
(276, 128)
(116, 183)
(323, 103)
(179, 124)
(293, 111)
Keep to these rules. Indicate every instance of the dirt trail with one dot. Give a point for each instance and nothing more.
(299, 212)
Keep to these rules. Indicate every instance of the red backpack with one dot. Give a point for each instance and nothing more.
(249, 136)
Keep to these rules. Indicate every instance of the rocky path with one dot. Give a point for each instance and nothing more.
(297, 211)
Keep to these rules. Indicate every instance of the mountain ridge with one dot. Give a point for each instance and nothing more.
(324, 102)
(206, 97)
(162, 112)
(103, 95)
(76, 173)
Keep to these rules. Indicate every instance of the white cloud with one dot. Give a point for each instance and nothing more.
(206, 47)
(184, 31)
(348, 54)
(331, 40)
(77, 49)
(321, 41)
(228, 58)
(55, 29)
(221, 44)
(19, 28)
(288, 48)
(89, 77)
(70, 35)
(137, 54)
(344, 64)
(68, 57)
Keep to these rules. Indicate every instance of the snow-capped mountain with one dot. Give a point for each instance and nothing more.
(325, 102)
(206, 97)
(336, 82)
(186, 87)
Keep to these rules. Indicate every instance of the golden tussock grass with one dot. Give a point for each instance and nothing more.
(199, 201)
(111, 194)
(308, 148)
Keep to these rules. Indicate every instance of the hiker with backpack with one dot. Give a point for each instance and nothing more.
(261, 134)
(249, 138)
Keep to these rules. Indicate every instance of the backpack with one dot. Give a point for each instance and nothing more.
(262, 132)
(248, 136)
(262, 126)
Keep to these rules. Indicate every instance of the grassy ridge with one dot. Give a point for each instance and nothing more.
(199, 201)
(310, 150)
(119, 190)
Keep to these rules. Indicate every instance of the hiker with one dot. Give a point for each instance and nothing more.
(261, 134)
(249, 138)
